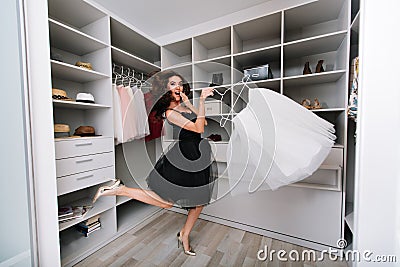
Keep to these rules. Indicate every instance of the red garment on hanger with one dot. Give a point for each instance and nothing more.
(155, 124)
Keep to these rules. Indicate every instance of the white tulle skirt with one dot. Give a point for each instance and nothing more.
(275, 142)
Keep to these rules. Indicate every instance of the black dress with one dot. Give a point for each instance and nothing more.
(186, 173)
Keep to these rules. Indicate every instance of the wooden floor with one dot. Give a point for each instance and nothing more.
(155, 244)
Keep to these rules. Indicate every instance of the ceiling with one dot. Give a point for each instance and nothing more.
(158, 18)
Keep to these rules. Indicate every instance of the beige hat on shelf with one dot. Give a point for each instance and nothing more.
(59, 94)
(61, 128)
(85, 65)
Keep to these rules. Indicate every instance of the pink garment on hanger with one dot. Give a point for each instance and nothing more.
(127, 111)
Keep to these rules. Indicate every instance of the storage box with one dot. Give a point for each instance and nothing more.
(259, 73)
(215, 107)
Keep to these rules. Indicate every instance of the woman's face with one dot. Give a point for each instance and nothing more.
(175, 86)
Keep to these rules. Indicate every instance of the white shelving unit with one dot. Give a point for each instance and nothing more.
(284, 40)
(79, 31)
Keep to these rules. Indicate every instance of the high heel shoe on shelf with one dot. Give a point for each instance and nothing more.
(103, 189)
(189, 252)
(316, 105)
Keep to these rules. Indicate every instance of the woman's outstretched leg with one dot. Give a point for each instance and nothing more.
(191, 219)
(146, 196)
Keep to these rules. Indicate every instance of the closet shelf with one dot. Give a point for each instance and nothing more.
(179, 65)
(121, 200)
(125, 58)
(77, 105)
(98, 208)
(314, 45)
(356, 22)
(268, 84)
(71, 40)
(315, 78)
(69, 72)
(329, 110)
(212, 59)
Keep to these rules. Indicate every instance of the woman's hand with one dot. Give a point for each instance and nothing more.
(184, 97)
(206, 93)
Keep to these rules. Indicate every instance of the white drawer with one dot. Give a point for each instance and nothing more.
(73, 147)
(335, 157)
(79, 181)
(215, 107)
(85, 163)
(219, 151)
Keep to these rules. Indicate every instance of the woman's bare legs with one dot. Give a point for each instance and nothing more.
(192, 217)
(146, 196)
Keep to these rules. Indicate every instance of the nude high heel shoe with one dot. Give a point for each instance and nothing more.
(103, 189)
(189, 252)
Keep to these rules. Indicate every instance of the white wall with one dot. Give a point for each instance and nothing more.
(377, 204)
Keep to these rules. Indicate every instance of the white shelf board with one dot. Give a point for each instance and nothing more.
(268, 84)
(315, 78)
(336, 145)
(328, 110)
(215, 39)
(220, 59)
(121, 200)
(314, 45)
(355, 24)
(69, 72)
(259, 56)
(350, 221)
(180, 65)
(71, 40)
(223, 86)
(215, 65)
(120, 56)
(132, 213)
(99, 207)
(77, 105)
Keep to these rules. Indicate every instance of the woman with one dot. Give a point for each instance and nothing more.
(186, 173)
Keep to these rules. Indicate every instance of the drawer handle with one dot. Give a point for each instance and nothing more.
(85, 177)
(84, 144)
(84, 160)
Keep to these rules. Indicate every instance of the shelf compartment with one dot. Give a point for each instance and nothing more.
(270, 55)
(126, 59)
(213, 127)
(70, 72)
(100, 206)
(212, 45)
(177, 54)
(315, 19)
(316, 45)
(71, 40)
(327, 177)
(332, 49)
(132, 213)
(203, 72)
(350, 221)
(339, 120)
(74, 244)
(355, 9)
(126, 39)
(326, 87)
(77, 105)
(257, 33)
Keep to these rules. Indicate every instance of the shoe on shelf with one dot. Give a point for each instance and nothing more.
(306, 103)
(189, 252)
(316, 104)
(319, 68)
(307, 69)
(103, 189)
